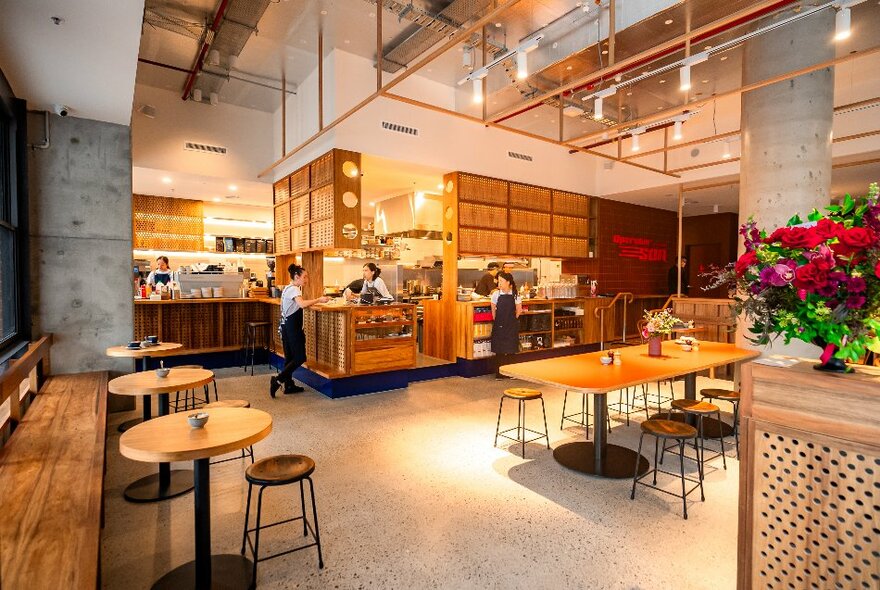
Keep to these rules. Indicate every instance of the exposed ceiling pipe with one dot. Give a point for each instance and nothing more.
(206, 43)
(43, 145)
(658, 55)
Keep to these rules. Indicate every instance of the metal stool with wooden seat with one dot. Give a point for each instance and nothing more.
(190, 394)
(521, 395)
(253, 329)
(699, 409)
(581, 418)
(680, 433)
(726, 395)
(274, 471)
(233, 403)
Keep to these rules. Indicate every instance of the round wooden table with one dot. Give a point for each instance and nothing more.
(170, 438)
(160, 349)
(166, 483)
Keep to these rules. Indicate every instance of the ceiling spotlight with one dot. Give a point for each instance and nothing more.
(231, 61)
(197, 95)
(467, 57)
(232, 187)
(602, 94)
(635, 138)
(676, 131)
(685, 74)
(216, 199)
(522, 64)
(166, 180)
(715, 208)
(842, 22)
(726, 154)
(215, 99)
(478, 90)
(213, 58)
(440, 186)
(597, 108)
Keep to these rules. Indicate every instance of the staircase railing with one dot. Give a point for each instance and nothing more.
(599, 312)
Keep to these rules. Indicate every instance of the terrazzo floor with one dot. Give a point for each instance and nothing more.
(412, 494)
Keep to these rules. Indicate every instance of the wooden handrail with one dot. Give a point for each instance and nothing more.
(32, 365)
(668, 302)
(599, 312)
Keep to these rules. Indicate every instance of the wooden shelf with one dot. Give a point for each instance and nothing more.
(360, 326)
(383, 342)
(581, 329)
(534, 332)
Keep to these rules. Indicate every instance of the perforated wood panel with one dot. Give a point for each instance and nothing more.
(299, 182)
(300, 210)
(482, 240)
(164, 223)
(282, 190)
(332, 331)
(481, 189)
(146, 322)
(299, 237)
(474, 215)
(529, 245)
(322, 203)
(322, 234)
(575, 227)
(322, 171)
(566, 203)
(282, 241)
(815, 522)
(530, 222)
(282, 216)
(569, 247)
(525, 196)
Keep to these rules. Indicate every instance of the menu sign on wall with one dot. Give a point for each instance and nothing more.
(644, 249)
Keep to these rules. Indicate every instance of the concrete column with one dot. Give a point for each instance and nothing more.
(785, 166)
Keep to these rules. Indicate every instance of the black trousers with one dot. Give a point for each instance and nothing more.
(294, 340)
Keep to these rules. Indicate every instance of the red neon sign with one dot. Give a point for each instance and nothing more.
(643, 249)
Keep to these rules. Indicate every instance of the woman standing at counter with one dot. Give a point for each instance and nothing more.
(292, 335)
(373, 283)
(506, 309)
(162, 275)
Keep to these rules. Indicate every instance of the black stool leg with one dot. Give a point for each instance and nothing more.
(216, 395)
(736, 427)
(522, 412)
(632, 495)
(656, 445)
(315, 515)
(302, 500)
(564, 400)
(257, 535)
(498, 424)
(546, 431)
(684, 502)
(721, 442)
(247, 515)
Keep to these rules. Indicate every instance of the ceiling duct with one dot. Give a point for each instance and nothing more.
(433, 29)
(175, 24)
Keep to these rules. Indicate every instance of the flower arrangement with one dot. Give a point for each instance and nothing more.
(659, 322)
(816, 281)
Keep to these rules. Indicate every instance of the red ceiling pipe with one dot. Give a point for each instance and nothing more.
(659, 54)
(200, 57)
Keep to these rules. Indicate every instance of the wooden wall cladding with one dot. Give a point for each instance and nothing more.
(526, 196)
(482, 189)
(199, 325)
(569, 247)
(479, 241)
(319, 206)
(529, 245)
(565, 203)
(529, 222)
(485, 216)
(575, 227)
(165, 223)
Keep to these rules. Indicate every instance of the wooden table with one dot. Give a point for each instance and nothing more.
(584, 373)
(167, 483)
(170, 438)
(160, 349)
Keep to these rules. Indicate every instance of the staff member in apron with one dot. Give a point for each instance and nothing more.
(506, 309)
(292, 335)
(162, 275)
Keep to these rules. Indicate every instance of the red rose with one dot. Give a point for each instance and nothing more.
(801, 237)
(809, 277)
(827, 229)
(853, 240)
(745, 261)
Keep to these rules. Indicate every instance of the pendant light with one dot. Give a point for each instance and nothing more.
(597, 108)
(478, 90)
(522, 64)
(197, 95)
(726, 154)
(685, 75)
(842, 24)
(676, 131)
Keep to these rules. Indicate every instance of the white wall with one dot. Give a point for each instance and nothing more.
(158, 143)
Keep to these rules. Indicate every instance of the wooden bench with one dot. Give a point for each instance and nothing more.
(51, 486)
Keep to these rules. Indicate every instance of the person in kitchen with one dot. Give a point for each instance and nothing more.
(373, 283)
(506, 309)
(292, 335)
(488, 282)
(352, 291)
(161, 275)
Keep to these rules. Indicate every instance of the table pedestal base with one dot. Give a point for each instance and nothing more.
(228, 572)
(128, 424)
(710, 425)
(620, 462)
(149, 488)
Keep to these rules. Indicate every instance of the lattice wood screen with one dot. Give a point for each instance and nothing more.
(332, 331)
(525, 196)
(165, 223)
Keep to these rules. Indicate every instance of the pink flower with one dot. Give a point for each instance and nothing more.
(802, 294)
(855, 301)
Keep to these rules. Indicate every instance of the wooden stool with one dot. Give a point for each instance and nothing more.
(278, 471)
(191, 394)
(232, 403)
(521, 394)
(727, 395)
(680, 433)
(251, 331)
(700, 409)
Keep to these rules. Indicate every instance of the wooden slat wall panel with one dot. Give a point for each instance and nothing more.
(566, 203)
(299, 182)
(322, 203)
(321, 234)
(165, 223)
(300, 210)
(574, 227)
(282, 241)
(529, 222)
(476, 241)
(569, 247)
(282, 216)
(526, 196)
(281, 190)
(484, 216)
(529, 245)
(481, 189)
(322, 171)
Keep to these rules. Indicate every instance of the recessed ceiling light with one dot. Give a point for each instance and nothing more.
(166, 179)
(663, 81)
(347, 41)
(232, 187)
(704, 81)
(497, 25)
(668, 21)
(659, 108)
(372, 15)
(604, 52)
(216, 199)
(372, 204)
(723, 57)
(324, 12)
(568, 67)
(629, 93)
(536, 116)
(440, 186)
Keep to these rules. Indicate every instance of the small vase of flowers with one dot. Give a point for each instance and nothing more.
(655, 326)
(816, 281)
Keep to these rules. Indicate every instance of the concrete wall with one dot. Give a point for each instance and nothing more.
(80, 207)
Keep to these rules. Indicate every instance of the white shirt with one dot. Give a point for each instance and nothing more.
(166, 274)
(289, 304)
(379, 285)
(497, 293)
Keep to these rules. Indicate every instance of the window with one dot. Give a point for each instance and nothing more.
(13, 229)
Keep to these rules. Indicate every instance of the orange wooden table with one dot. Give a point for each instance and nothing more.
(145, 353)
(584, 373)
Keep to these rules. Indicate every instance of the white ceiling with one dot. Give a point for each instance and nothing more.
(149, 181)
(87, 62)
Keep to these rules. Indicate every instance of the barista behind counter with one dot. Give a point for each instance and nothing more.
(371, 284)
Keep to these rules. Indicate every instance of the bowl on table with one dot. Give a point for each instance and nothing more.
(687, 347)
(162, 373)
(606, 360)
(134, 345)
(197, 420)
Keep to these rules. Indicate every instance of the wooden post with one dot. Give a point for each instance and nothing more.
(313, 263)
(450, 331)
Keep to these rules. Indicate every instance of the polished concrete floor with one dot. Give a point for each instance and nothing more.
(412, 494)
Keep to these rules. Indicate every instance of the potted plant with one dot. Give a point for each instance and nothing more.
(816, 281)
(655, 326)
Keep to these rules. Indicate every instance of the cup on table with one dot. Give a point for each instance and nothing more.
(134, 344)
(606, 360)
(163, 372)
(153, 339)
